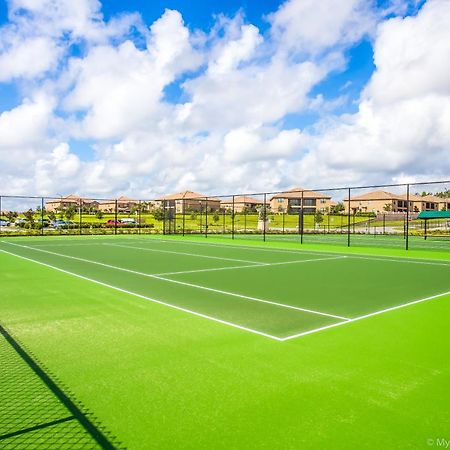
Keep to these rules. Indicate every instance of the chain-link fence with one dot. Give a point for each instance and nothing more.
(414, 215)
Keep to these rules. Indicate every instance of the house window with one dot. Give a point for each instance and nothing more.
(323, 200)
(309, 202)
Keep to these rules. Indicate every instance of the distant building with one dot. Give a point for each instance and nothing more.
(291, 201)
(188, 201)
(73, 200)
(241, 203)
(384, 201)
(124, 205)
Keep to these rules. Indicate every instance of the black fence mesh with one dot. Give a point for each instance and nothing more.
(385, 215)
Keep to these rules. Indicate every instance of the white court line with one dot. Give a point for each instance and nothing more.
(197, 286)
(311, 252)
(186, 254)
(365, 316)
(287, 338)
(253, 266)
(204, 316)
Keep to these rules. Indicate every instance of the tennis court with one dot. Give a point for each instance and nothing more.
(87, 306)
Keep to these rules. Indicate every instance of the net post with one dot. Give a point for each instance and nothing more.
(115, 216)
(206, 217)
(232, 220)
(264, 217)
(348, 218)
(407, 218)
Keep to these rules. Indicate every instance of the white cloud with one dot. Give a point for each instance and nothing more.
(227, 133)
(403, 122)
(311, 26)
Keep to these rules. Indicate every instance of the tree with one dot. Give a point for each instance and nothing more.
(29, 217)
(159, 214)
(337, 209)
(51, 215)
(99, 215)
(263, 212)
(11, 216)
(216, 216)
(318, 217)
(387, 207)
(70, 212)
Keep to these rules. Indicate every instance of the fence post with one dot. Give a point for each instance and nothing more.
(1, 213)
(264, 217)
(384, 224)
(206, 217)
(407, 217)
(80, 218)
(42, 215)
(348, 218)
(139, 217)
(232, 220)
(302, 217)
(115, 216)
(184, 214)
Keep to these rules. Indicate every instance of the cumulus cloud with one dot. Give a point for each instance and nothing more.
(402, 124)
(225, 132)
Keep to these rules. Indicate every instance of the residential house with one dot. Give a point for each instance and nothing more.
(73, 200)
(188, 201)
(241, 203)
(291, 201)
(124, 205)
(384, 201)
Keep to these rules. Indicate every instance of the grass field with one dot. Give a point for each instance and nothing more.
(167, 342)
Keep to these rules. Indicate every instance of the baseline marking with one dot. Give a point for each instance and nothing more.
(124, 291)
(197, 286)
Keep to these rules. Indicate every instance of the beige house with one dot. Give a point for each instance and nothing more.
(291, 201)
(124, 205)
(70, 200)
(384, 201)
(188, 201)
(241, 203)
(429, 203)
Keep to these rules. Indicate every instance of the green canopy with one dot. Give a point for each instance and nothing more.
(434, 215)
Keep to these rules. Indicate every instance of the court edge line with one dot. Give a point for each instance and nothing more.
(366, 316)
(153, 300)
(308, 251)
(183, 283)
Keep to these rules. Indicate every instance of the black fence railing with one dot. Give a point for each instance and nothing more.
(384, 215)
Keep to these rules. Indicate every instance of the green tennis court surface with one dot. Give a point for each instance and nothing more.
(195, 343)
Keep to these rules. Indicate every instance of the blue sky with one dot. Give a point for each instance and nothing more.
(156, 96)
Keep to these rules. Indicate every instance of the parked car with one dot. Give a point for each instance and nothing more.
(58, 223)
(128, 221)
(112, 223)
(4, 223)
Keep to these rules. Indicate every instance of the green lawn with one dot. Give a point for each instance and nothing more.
(225, 369)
